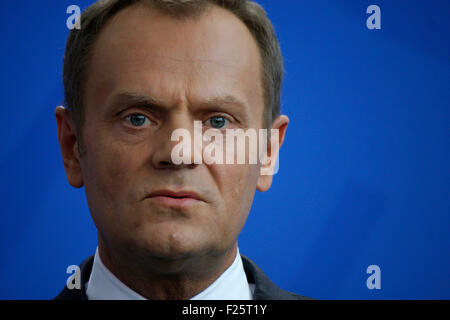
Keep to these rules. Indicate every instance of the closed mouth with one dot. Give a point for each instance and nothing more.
(179, 198)
(182, 194)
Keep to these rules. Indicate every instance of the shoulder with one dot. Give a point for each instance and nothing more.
(265, 289)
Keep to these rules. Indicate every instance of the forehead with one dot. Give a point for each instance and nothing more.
(194, 58)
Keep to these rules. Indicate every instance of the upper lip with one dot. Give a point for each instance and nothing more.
(175, 194)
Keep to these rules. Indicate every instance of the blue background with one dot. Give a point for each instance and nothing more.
(364, 172)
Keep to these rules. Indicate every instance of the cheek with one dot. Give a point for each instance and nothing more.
(109, 171)
(106, 170)
(237, 185)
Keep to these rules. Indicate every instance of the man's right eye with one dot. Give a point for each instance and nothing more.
(137, 120)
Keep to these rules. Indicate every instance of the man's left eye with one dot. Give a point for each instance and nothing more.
(217, 122)
(137, 119)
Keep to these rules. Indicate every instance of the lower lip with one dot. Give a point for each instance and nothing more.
(175, 202)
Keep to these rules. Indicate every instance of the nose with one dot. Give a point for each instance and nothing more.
(175, 141)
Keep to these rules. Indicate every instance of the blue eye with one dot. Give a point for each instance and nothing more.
(136, 119)
(218, 122)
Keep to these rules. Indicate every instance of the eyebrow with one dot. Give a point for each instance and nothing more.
(225, 101)
(137, 99)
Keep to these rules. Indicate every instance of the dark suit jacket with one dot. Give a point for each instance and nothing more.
(264, 288)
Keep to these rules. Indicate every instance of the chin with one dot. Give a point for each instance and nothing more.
(173, 243)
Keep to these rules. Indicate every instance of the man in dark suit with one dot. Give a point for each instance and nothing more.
(136, 75)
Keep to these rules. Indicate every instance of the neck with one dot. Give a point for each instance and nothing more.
(166, 279)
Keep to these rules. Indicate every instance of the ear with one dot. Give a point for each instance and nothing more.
(68, 143)
(265, 178)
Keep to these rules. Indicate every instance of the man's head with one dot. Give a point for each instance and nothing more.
(151, 68)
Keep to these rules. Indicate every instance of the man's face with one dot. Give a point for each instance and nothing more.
(149, 75)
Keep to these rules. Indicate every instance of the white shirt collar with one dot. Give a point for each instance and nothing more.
(231, 285)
